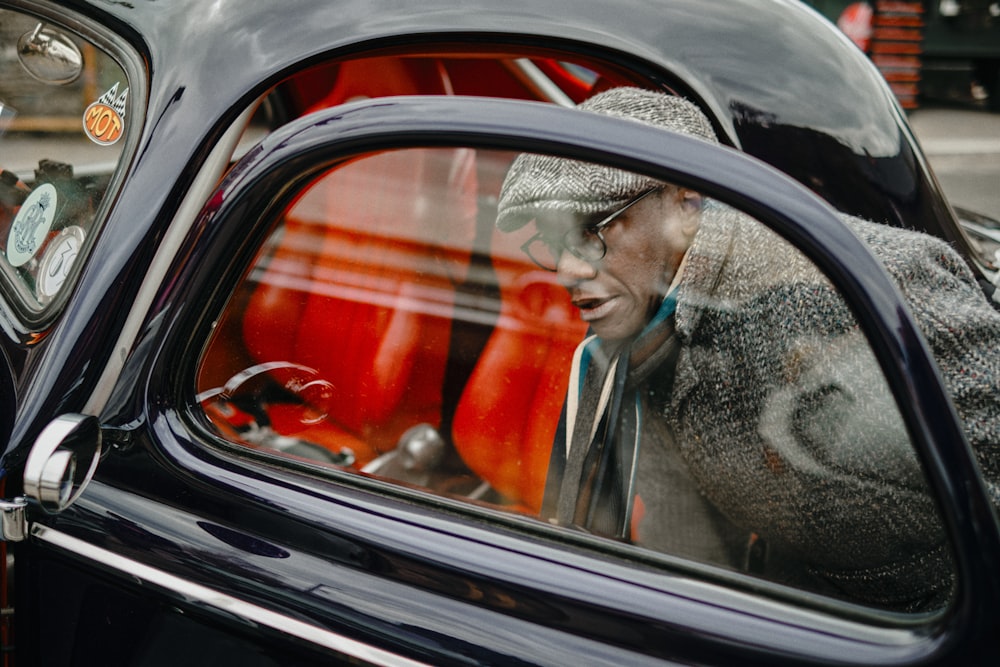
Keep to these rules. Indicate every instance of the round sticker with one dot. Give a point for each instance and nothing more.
(104, 120)
(58, 260)
(31, 224)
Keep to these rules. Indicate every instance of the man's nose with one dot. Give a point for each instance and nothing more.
(571, 270)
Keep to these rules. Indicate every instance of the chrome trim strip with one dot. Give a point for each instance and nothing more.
(198, 594)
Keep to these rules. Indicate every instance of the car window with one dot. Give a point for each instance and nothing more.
(65, 108)
(402, 324)
(559, 77)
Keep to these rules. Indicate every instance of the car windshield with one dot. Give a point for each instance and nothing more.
(64, 110)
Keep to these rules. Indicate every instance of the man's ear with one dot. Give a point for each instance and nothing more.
(689, 203)
(689, 199)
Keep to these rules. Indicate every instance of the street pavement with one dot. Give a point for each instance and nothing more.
(963, 148)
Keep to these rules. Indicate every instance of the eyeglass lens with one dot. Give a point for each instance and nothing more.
(585, 243)
(581, 242)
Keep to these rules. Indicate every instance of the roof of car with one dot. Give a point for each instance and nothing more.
(778, 79)
(762, 60)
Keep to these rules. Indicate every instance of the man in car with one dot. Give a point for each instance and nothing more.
(726, 407)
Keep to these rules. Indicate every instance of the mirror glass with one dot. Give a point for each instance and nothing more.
(49, 56)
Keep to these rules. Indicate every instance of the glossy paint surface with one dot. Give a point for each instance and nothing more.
(440, 587)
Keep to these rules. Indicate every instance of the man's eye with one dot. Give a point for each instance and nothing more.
(581, 236)
(552, 243)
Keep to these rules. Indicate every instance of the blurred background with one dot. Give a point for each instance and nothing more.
(942, 60)
(929, 51)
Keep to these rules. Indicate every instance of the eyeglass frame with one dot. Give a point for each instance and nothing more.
(594, 231)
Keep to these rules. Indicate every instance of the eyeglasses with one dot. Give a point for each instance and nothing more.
(584, 242)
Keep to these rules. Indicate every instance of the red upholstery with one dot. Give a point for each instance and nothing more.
(336, 84)
(360, 290)
(361, 285)
(507, 417)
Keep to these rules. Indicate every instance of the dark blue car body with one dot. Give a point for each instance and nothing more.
(177, 553)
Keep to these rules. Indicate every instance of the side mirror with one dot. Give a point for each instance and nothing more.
(62, 461)
(49, 56)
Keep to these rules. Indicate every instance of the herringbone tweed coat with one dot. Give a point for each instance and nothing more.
(785, 420)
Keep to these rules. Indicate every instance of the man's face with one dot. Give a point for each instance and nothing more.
(619, 294)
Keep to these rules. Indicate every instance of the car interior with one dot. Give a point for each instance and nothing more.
(385, 307)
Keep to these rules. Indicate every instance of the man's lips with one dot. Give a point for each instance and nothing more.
(594, 308)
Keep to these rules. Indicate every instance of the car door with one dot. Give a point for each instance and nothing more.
(302, 498)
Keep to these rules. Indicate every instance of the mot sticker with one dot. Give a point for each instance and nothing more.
(104, 120)
(32, 224)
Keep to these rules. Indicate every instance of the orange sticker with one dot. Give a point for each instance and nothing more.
(104, 120)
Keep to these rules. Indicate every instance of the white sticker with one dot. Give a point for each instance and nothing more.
(32, 224)
(58, 260)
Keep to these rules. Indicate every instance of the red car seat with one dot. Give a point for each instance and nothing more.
(360, 288)
(506, 420)
(360, 285)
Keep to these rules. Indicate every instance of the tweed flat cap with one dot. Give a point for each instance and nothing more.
(538, 183)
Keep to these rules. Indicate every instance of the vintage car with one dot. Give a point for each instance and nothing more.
(277, 391)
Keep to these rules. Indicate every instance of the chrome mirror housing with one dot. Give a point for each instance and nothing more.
(62, 461)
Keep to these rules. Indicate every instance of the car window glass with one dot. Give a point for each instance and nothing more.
(388, 328)
(65, 108)
(547, 75)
